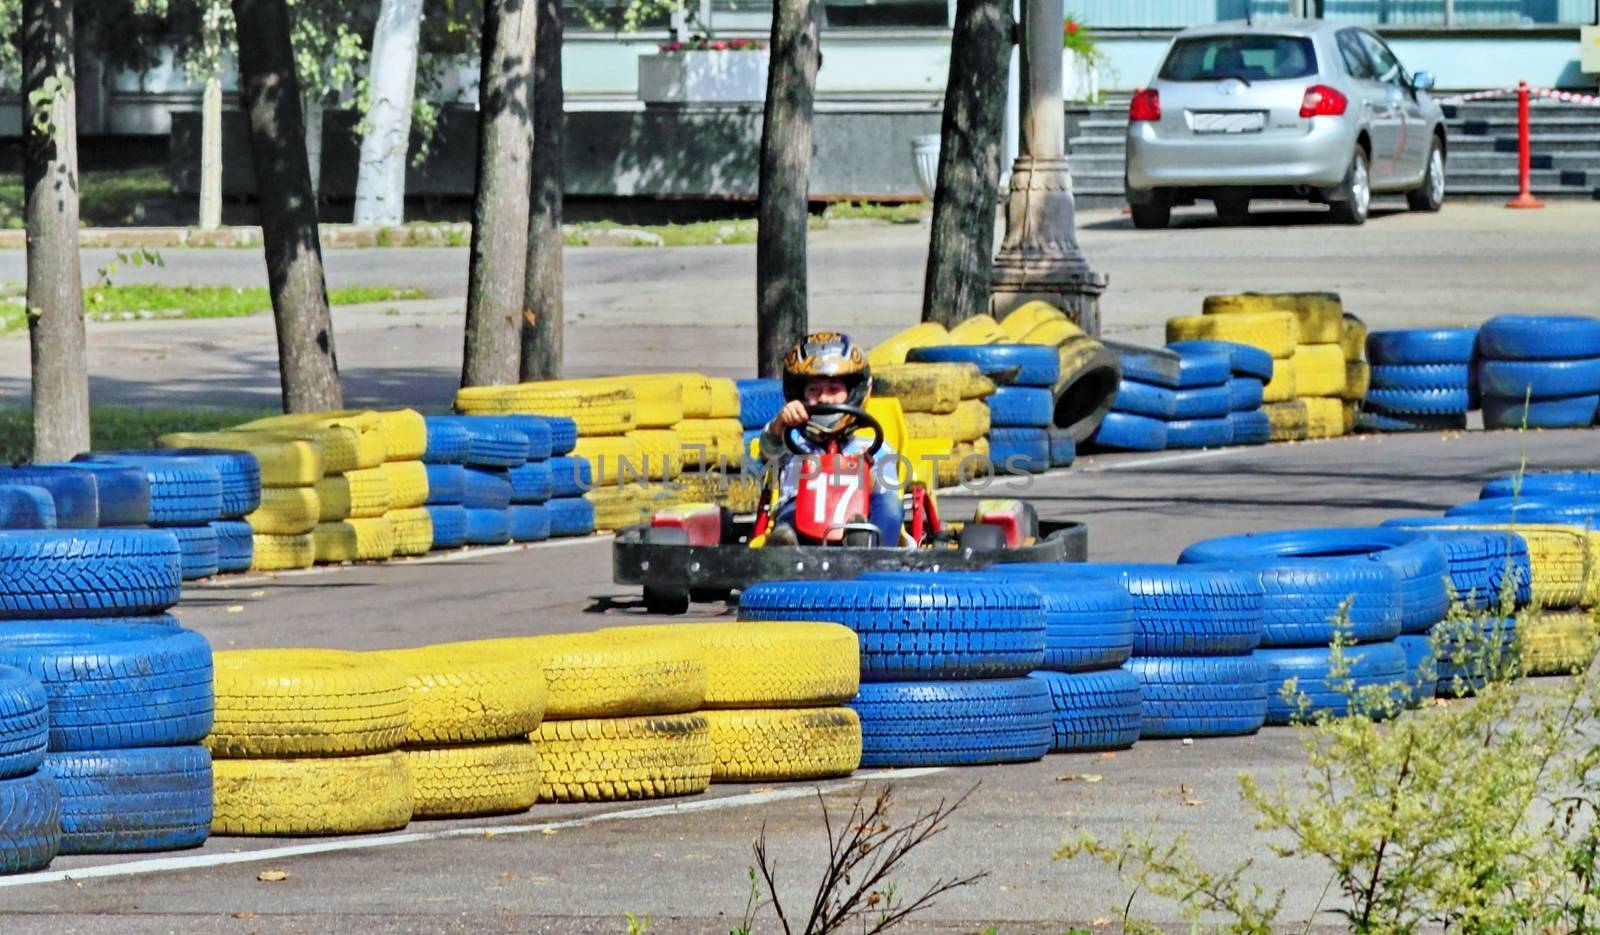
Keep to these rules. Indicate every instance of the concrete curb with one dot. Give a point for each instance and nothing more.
(333, 236)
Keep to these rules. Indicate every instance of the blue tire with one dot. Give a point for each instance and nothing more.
(1506, 564)
(1034, 364)
(1577, 506)
(1460, 671)
(1244, 394)
(1145, 399)
(152, 685)
(30, 823)
(1541, 379)
(528, 522)
(1438, 401)
(239, 471)
(531, 483)
(198, 552)
(1370, 421)
(74, 492)
(88, 573)
(235, 545)
(491, 442)
(1200, 696)
(919, 629)
(183, 492)
(1021, 406)
(1089, 622)
(1375, 665)
(570, 516)
(449, 525)
(1422, 674)
(537, 429)
(1539, 337)
(1093, 710)
(1206, 402)
(121, 491)
(1243, 359)
(1586, 483)
(488, 526)
(1303, 597)
(1421, 376)
(1202, 368)
(1406, 346)
(24, 722)
(1193, 610)
(1575, 412)
(24, 506)
(1122, 431)
(447, 484)
(960, 723)
(1147, 364)
(759, 401)
(570, 477)
(486, 489)
(447, 442)
(127, 801)
(1251, 428)
(1200, 433)
(1019, 450)
(1063, 450)
(1418, 560)
(563, 434)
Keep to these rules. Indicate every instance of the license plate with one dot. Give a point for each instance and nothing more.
(1229, 122)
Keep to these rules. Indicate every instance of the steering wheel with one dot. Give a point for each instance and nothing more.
(862, 417)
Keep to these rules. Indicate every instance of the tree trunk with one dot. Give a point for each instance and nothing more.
(307, 363)
(785, 183)
(542, 324)
(499, 253)
(956, 285)
(211, 153)
(313, 116)
(392, 81)
(55, 279)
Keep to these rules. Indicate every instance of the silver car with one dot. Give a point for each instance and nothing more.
(1298, 109)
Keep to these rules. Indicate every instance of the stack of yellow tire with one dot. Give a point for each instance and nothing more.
(405, 439)
(946, 418)
(291, 465)
(306, 742)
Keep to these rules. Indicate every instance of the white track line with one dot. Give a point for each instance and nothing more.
(456, 556)
(1162, 459)
(203, 861)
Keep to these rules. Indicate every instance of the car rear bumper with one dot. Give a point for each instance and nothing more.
(1319, 158)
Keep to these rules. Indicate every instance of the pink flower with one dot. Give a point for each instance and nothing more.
(1072, 27)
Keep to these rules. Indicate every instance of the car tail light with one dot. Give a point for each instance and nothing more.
(1146, 105)
(1323, 101)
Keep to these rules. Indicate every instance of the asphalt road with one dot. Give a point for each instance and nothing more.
(577, 869)
(692, 307)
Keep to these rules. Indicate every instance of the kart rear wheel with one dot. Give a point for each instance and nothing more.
(670, 601)
(710, 595)
(982, 537)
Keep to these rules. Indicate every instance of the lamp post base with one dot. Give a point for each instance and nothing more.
(1040, 258)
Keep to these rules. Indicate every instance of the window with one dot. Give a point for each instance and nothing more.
(1356, 63)
(1383, 61)
(1252, 58)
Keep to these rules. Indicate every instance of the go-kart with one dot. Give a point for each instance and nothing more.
(701, 551)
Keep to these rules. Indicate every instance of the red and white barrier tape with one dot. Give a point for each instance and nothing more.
(1478, 96)
(1565, 96)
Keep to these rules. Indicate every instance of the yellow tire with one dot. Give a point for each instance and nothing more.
(968, 460)
(407, 483)
(1284, 385)
(597, 411)
(1319, 370)
(412, 529)
(660, 451)
(354, 540)
(696, 392)
(1026, 317)
(892, 352)
(1350, 410)
(658, 401)
(979, 329)
(1053, 333)
(358, 494)
(1556, 643)
(1277, 333)
(313, 796)
(612, 458)
(778, 745)
(405, 434)
(592, 676)
(282, 553)
(1352, 337)
(618, 507)
(1561, 559)
(611, 759)
(285, 461)
(724, 398)
(458, 694)
(768, 665)
(1324, 416)
(968, 423)
(479, 779)
(286, 511)
(1289, 421)
(343, 448)
(932, 388)
(306, 702)
(711, 443)
(1318, 315)
(743, 494)
(1357, 380)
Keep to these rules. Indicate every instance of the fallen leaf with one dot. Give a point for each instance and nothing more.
(272, 876)
(1079, 777)
(1100, 921)
(235, 608)
(549, 831)
(1108, 755)
(1183, 789)
(1194, 801)
(505, 874)
(244, 915)
(258, 594)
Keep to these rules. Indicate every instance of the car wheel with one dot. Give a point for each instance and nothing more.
(1429, 196)
(1154, 214)
(1232, 209)
(981, 537)
(1354, 196)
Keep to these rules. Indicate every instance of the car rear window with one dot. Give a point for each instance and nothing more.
(1253, 58)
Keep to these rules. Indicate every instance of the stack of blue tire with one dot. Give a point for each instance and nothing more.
(1022, 433)
(1249, 370)
(115, 765)
(945, 660)
(1394, 582)
(1542, 369)
(1423, 379)
(200, 495)
(759, 402)
(1146, 400)
(1204, 401)
(504, 478)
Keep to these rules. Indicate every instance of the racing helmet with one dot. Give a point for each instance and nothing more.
(828, 354)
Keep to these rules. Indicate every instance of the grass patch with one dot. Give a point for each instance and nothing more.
(909, 212)
(104, 303)
(107, 198)
(113, 427)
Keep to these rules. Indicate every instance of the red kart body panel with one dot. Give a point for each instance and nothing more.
(833, 488)
(702, 523)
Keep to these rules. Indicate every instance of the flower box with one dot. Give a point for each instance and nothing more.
(704, 76)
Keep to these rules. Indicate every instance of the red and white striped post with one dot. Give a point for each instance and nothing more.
(1524, 197)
